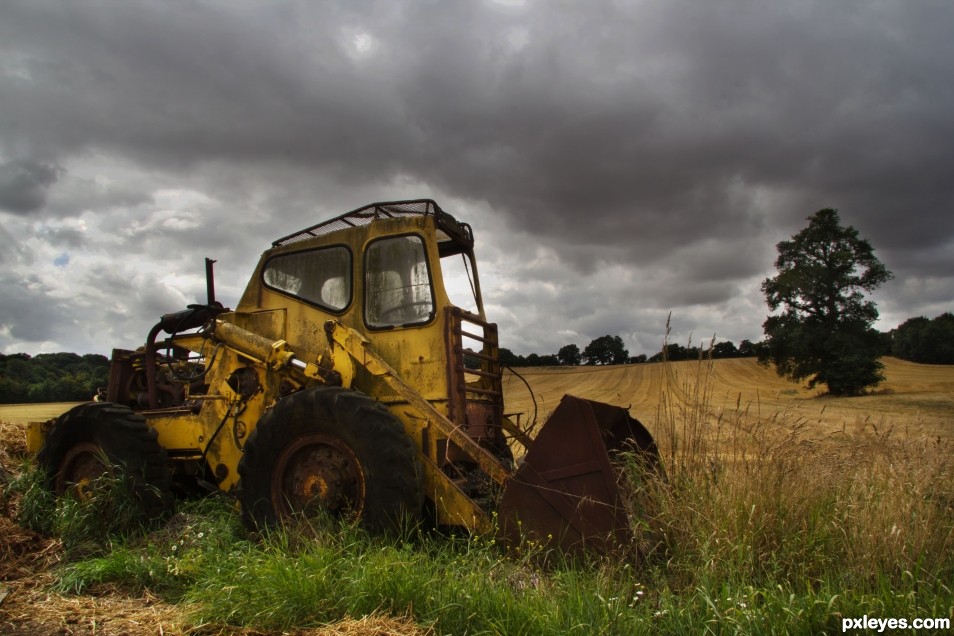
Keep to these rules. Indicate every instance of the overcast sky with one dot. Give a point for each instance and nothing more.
(618, 160)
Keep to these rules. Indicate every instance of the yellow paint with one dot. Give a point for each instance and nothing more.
(36, 434)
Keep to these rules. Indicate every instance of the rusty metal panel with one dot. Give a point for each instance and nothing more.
(565, 493)
(122, 370)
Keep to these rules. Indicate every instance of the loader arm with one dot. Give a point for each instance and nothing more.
(564, 494)
(358, 347)
(458, 504)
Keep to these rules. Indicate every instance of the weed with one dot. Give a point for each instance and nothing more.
(86, 526)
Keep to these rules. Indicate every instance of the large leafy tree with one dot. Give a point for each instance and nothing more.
(606, 350)
(570, 355)
(823, 328)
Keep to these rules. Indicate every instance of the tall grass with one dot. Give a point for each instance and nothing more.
(765, 511)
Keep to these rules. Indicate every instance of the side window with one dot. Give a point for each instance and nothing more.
(398, 284)
(321, 277)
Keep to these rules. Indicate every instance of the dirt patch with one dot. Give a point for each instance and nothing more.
(12, 444)
(32, 609)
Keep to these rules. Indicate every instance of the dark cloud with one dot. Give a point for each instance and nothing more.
(672, 142)
(28, 312)
(63, 236)
(24, 185)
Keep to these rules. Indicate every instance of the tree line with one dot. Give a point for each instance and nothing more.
(922, 340)
(915, 340)
(611, 350)
(51, 377)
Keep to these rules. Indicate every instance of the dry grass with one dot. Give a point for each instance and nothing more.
(787, 498)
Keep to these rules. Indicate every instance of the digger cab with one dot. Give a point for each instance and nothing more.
(403, 275)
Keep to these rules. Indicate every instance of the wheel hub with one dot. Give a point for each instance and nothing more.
(318, 472)
(82, 465)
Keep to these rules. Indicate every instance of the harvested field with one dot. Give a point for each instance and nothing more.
(23, 413)
(914, 397)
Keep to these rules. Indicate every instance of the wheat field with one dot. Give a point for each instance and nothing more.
(914, 397)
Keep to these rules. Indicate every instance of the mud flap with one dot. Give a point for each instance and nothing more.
(565, 493)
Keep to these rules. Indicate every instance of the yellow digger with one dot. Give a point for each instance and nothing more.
(346, 382)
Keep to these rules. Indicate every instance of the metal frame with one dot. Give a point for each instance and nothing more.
(459, 233)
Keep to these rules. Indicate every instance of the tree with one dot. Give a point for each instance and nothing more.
(749, 349)
(537, 360)
(926, 341)
(51, 377)
(724, 350)
(509, 359)
(570, 355)
(824, 330)
(606, 350)
(909, 342)
(672, 351)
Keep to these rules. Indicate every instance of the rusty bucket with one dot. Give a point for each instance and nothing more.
(565, 493)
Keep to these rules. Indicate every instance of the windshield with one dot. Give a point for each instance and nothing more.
(398, 283)
(321, 277)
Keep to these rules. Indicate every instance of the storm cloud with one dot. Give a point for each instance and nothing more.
(24, 184)
(618, 160)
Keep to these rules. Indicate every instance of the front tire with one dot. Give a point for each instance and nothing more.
(101, 438)
(334, 451)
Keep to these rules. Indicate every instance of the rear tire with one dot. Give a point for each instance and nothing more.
(92, 440)
(329, 450)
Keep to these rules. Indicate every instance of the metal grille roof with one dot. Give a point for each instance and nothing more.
(371, 213)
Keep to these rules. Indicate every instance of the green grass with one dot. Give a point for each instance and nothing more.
(308, 577)
(86, 528)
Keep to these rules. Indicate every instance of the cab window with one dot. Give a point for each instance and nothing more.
(398, 283)
(321, 277)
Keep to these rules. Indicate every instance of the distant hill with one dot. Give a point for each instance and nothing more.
(51, 377)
